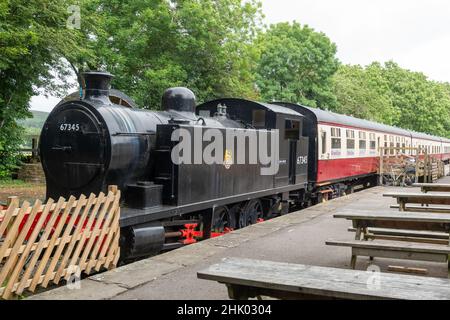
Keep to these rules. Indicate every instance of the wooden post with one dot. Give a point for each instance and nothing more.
(12, 200)
(34, 146)
(417, 165)
(113, 189)
(381, 165)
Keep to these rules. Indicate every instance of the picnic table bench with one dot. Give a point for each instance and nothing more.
(433, 250)
(246, 278)
(419, 208)
(433, 187)
(421, 198)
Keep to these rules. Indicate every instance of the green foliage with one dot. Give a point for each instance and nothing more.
(422, 105)
(33, 38)
(9, 183)
(151, 45)
(395, 96)
(296, 65)
(36, 121)
(363, 93)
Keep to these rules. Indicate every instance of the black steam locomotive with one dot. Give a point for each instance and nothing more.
(98, 140)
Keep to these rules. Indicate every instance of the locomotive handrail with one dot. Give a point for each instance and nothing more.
(151, 133)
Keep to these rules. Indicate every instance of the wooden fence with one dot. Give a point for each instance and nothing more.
(41, 244)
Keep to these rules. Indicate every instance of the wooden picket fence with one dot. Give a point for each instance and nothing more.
(44, 244)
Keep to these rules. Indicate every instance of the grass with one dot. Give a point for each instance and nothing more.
(9, 183)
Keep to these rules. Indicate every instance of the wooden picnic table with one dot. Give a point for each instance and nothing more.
(432, 250)
(433, 187)
(246, 278)
(421, 198)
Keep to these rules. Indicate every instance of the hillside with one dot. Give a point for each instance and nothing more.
(33, 126)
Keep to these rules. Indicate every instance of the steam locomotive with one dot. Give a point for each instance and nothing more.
(102, 139)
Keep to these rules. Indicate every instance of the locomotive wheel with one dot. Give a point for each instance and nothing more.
(250, 214)
(223, 219)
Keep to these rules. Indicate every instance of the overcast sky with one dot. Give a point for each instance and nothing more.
(414, 33)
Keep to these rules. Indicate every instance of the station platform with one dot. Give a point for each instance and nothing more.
(294, 238)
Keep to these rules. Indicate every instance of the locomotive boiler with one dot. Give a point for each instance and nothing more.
(94, 141)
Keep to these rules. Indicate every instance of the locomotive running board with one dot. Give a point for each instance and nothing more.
(131, 216)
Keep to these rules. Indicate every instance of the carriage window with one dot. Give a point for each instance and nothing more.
(259, 118)
(362, 140)
(292, 131)
(373, 142)
(362, 144)
(350, 139)
(324, 142)
(336, 141)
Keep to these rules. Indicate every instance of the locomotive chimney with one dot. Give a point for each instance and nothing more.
(98, 84)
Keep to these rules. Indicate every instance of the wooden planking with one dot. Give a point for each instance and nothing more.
(392, 246)
(397, 254)
(433, 187)
(417, 195)
(402, 269)
(394, 216)
(406, 233)
(28, 211)
(43, 243)
(428, 209)
(421, 198)
(324, 282)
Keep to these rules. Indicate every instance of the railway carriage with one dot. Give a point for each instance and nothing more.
(345, 150)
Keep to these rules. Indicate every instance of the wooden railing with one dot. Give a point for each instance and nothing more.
(41, 244)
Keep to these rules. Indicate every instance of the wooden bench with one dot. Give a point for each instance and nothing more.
(428, 209)
(397, 220)
(405, 235)
(433, 187)
(246, 278)
(393, 250)
(421, 198)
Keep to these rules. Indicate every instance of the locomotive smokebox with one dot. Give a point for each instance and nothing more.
(179, 99)
(98, 85)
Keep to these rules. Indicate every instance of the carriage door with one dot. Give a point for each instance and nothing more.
(292, 134)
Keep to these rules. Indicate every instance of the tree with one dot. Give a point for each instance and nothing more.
(296, 65)
(393, 95)
(364, 93)
(33, 40)
(151, 45)
(422, 104)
